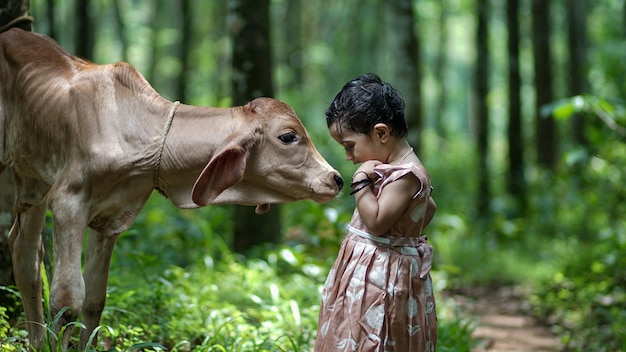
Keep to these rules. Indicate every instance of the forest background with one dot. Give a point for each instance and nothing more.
(516, 108)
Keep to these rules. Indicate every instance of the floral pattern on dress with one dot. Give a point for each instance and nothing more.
(378, 294)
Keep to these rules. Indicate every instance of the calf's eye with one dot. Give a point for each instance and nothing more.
(289, 137)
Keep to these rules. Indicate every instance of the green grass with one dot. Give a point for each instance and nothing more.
(234, 304)
(251, 310)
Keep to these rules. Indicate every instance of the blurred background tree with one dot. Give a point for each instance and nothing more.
(516, 108)
(252, 78)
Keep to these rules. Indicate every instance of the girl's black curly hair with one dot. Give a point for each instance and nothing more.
(365, 101)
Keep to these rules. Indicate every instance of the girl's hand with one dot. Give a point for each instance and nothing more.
(367, 167)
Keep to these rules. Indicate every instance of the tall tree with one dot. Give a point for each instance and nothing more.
(185, 48)
(121, 28)
(577, 47)
(84, 30)
(545, 129)
(441, 62)
(408, 65)
(252, 78)
(516, 178)
(51, 19)
(155, 25)
(481, 108)
(224, 57)
(295, 51)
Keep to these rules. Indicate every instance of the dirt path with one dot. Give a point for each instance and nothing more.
(503, 326)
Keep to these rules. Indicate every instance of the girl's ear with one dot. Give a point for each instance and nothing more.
(381, 132)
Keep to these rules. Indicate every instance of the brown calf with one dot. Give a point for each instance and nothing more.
(91, 142)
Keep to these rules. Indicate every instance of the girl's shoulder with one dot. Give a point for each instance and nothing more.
(388, 173)
(393, 172)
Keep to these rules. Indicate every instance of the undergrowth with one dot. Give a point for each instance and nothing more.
(183, 290)
(265, 304)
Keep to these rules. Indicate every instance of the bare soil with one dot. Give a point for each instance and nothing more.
(504, 324)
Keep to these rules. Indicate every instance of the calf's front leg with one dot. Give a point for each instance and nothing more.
(27, 254)
(68, 287)
(96, 275)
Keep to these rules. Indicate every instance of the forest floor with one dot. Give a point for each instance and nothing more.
(503, 325)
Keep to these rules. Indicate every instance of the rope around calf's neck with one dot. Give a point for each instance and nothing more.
(166, 129)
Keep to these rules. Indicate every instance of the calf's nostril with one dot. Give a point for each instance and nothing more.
(339, 181)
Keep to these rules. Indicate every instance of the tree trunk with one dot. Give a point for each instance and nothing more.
(516, 179)
(185, 49)
(408, 66)
(481, 112)
(577, 45)
(545, 134)
(84, 30)
(50, 18)
(121, 28)
(252, 78)
(221, 83)
(155, 24)
(440, 66)
(295, 52)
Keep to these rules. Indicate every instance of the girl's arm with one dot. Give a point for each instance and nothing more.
(379, 214)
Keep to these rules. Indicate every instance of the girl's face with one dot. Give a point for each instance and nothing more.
(359, 147)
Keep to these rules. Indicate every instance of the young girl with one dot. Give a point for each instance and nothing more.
(378, 295)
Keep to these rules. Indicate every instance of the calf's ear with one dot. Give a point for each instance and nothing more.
(223, 171)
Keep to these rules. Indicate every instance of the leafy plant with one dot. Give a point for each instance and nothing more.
(585, 297)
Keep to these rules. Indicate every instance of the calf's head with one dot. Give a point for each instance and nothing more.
(270, 159)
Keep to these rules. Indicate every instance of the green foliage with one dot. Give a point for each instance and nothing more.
(585, 296)
(7, 340)
(268, 304)
(569, 245)
(165, 234)
(196, 295)
(455, 327)
(612, 114)
(239, 305)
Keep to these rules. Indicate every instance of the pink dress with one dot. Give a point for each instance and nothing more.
(378, 295)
